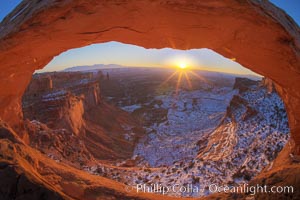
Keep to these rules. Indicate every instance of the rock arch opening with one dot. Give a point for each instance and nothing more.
(229, 35)
(173, 123)
(257, 34)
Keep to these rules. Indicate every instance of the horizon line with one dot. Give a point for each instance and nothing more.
(138, 66)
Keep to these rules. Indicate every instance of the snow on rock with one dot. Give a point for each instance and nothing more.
(214, 137)
(191, 115)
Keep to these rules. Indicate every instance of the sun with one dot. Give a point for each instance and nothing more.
(182, 65)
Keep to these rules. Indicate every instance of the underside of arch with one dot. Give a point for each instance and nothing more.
(257, 34)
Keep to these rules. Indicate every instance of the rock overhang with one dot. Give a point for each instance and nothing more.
(258, 34)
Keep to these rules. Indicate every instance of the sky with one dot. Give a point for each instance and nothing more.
(131, 55)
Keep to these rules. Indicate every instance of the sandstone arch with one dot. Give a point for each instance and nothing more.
(257, 34)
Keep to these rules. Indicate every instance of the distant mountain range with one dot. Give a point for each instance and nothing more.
(94, 67)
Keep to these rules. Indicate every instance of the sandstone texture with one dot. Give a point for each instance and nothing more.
(255, 33)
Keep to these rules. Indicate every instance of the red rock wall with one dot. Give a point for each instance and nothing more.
(62, 97)
(258, 35)
(268, 83)
(41, 84)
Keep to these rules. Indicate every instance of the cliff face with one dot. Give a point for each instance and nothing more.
(59, 105)
(269, 84)
(251, 135)
(244, 84)
(62, 110)
(63, 96)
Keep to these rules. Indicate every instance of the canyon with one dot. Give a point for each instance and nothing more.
(257, 34)
(68, 106)
(241, 125)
